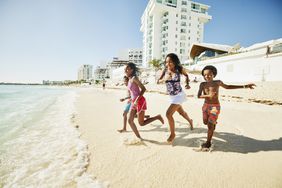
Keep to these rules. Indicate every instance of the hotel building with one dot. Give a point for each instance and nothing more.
(85, 72)
(132, 55)
(172, 26)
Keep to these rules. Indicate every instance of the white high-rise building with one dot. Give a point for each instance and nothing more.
(85, 72)
(132, 55)
(172, 26)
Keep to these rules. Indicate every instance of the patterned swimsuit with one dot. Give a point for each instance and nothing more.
(173, 86)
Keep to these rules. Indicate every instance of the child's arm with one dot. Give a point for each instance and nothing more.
(204, 96)
(128, 96)
(161, 77)
(143, 89)
(123, 99)
(200, 91)
(225, 86)
(187, 80)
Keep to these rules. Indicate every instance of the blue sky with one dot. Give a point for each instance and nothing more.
(50, 39)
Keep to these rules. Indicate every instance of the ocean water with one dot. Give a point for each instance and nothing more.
(39, 146)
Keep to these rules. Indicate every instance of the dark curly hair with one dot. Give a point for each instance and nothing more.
(211, 68)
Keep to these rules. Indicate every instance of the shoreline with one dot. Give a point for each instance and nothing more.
(240, 143)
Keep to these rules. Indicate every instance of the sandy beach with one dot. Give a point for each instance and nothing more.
(247, 145)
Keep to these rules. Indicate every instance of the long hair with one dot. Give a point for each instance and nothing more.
(175, 61)
(135, 69)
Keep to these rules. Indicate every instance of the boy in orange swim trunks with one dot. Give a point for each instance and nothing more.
(209, 91)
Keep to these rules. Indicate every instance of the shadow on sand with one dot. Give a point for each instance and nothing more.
(223, 141)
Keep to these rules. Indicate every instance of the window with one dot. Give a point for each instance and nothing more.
(203, 10)
(195, 6)
(171, 3)
(183, 17)
(182, 30)
(184, 3)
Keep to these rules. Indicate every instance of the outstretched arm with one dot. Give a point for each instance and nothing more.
(161, 77)
(225, 86)
(128, 97)
(187, 80)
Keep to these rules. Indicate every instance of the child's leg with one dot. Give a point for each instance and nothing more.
(124, 122)
(211, 128)
(132, 124)
(212, 115)
(169, 114)
(181, 111)
(142, 122)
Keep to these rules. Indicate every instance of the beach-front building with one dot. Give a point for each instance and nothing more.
(172, 26)
(259, 62)
(85, 72)
(132, 55)
(116, 69)
(101, 73)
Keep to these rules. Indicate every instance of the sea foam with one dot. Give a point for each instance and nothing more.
(46, 150)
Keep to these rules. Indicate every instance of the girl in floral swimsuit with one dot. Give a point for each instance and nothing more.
(171, 74)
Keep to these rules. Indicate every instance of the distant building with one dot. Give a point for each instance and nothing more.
(85, 72)
(101, 73)
(172, 26)
(132, 55)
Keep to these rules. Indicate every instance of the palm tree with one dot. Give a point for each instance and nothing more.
(156, 64)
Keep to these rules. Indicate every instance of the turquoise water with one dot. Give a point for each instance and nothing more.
(39, 145)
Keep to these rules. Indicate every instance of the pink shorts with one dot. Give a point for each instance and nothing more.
(210, 113)
(141, 104)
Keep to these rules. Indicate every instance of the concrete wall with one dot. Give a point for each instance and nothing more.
(250, 66)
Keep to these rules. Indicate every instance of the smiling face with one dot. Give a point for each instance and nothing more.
(208, 75)
(128, 71)
(169, 64)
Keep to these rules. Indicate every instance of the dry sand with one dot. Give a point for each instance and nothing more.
(247, 143)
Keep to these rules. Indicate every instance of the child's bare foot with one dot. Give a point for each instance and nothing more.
(171, 138)
(191, 124)
(160, 118)
(206, 145)
(121, 130)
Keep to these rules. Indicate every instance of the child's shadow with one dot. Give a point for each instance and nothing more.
(229, 142)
